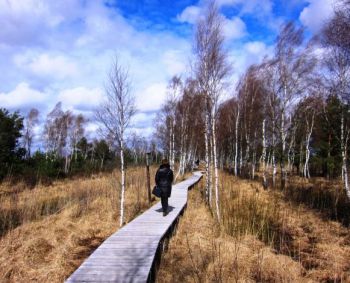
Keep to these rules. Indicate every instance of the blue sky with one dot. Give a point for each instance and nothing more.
(53, 51)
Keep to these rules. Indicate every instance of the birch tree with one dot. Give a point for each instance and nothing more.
(76, 132)
(29, 123)
(210, 71)
(251, 100)
(337, 60)
(237, 110)
(115, 114)
(293, 65)
(304, 119)
(271, 85)
(56, 131)
(174, 92)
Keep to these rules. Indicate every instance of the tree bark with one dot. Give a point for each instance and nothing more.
(307, 144)
(207, 160)
(344, 139)
(283, 150)
(236, 133)
(273, 159)
(264, 154)
(122, 197)
(216, 171)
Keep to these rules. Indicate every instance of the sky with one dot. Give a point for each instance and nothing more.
(61, 51)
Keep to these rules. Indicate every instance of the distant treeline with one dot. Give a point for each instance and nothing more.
(67, 152)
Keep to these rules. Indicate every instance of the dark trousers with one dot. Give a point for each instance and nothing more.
(164, 201)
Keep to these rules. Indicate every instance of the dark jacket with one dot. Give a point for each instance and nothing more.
(164, 179)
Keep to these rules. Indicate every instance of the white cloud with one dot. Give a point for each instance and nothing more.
(189, 15)
(316, 14)
(140, 117)
(81, 98)
(254, 52)
(144, 132)
(175, 61)
(234, 28)
(245, 55)
(79, 50)
(262, 10)
(22, 97)
(152, 97)
(45, 65)
(256, 47)
(27, 22)
(91, 129)
(63, 50)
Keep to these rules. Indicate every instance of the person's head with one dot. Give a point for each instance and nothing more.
(165, 162)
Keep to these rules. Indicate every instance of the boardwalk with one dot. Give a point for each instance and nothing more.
(128, 255)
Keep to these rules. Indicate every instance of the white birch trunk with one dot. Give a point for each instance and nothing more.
(283, 138)
(173, 145)
(264, 154)
(273, 160)
(291, 151)
(344, 147)
(207, 161)
(102, 160)
(216, 171)
(307, 144)
(170, 147)
(181, 169)
(301, 159)
(66, 166)
(254, 156)
(247, 150)
(236, 132)
(122, 198)
(211, 147)
(240, 154)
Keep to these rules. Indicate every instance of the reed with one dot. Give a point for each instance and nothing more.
(49, 230)
(327, 197)
(261, 237)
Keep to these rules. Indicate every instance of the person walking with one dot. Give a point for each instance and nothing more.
(164, 179)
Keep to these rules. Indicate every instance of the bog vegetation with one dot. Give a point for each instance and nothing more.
(274, 205)
(47, 231)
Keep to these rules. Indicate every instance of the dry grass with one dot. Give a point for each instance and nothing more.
(201, 252)
(262, 238)
(325, 196)
(49, 231)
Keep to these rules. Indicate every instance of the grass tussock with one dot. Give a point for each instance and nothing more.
(201, 252)
(328, 197)
(261, 238)
(245, 211)
(48, 231)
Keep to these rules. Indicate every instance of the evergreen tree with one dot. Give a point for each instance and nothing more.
(10, 132)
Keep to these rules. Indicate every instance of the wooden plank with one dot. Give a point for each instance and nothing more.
(128, 254)
(132, 241)
(121, 278)
(137, 253)
(116, 262)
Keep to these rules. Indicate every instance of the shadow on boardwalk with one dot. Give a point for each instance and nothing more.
(170, 209)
